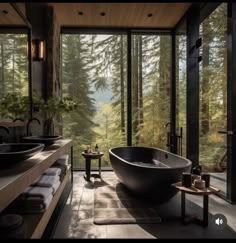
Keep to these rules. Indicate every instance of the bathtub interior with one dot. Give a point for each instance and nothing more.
(150, 157)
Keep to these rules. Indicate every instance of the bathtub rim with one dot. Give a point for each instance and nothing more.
(188, 162)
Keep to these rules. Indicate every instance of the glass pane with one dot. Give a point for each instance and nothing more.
(213, 96)
(181, 43)
(150, 89)
(94, 75)
(14, 87)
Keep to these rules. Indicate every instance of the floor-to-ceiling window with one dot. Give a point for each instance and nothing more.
(151, 58)
(213, 95)
(94, 74)
(181, 45)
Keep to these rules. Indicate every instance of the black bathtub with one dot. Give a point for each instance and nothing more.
(148, 172)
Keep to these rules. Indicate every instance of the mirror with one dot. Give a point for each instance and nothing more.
(15, 64)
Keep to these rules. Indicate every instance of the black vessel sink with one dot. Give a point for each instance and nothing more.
(15, 152)
(46, 140)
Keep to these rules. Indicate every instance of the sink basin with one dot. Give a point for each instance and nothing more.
(46, 140)
(14, 152)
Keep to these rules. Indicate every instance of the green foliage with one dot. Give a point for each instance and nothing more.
(14, 105)
(92, 63)
(76, 76)
(54, 106)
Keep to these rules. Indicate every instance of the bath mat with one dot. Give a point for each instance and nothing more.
(113, 204)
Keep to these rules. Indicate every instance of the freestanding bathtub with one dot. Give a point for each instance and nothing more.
(148, 172)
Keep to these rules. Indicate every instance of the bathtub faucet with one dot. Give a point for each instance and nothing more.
(171, 136)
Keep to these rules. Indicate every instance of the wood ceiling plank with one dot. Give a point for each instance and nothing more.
(165, 15)
(11, 17)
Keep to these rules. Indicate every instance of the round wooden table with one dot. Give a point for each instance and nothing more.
(195, 191)
(88, 157)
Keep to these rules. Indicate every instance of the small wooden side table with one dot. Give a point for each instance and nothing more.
(88, 157)
(195, 191)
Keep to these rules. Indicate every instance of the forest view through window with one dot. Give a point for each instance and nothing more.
(213, 94)
(14, 87)
(181, 56)
(150, 89)
(94, 74)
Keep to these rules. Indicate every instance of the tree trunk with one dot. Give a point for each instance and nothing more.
(140, 88)
(224, 86)
(164, 81)
(177, 81)
(205, 79)
(3, 76)
(135, 90)
(122, 89)
(13, 65)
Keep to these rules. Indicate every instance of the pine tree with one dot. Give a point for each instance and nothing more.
(76, 85)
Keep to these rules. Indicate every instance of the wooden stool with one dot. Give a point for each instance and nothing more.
(195, 191)
(88, 157)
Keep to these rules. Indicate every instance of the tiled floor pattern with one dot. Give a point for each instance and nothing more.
(76, 220)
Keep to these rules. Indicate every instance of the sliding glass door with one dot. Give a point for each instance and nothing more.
(213, 96)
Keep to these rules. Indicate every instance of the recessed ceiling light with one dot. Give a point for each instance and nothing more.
(80, 13)
(102, 14)
(5, 11)
(149, 15)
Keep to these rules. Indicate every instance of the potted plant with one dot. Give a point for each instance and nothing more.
(52, 109)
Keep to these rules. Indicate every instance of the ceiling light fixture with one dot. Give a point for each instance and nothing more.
(102, 14)
(5, 11)
(149, 15)
(80, 13)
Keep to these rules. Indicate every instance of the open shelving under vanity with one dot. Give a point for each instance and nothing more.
(15, 179)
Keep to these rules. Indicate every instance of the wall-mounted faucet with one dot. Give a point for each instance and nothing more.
(28, 125)
(6, 130)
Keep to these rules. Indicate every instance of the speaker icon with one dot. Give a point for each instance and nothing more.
(219, 221)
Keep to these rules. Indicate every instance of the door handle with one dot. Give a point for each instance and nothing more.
(226, 132)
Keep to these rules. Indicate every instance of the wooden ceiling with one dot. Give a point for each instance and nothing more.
(164, 15)
(8, 15)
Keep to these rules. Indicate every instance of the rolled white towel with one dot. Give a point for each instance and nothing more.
(55, 187)
(46, 181)
(52, 171)
(64, 159)
(35, 191)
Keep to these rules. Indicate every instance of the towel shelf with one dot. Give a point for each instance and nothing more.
(16, 179)
(36, 223)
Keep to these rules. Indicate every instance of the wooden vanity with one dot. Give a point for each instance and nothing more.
(15, 179)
